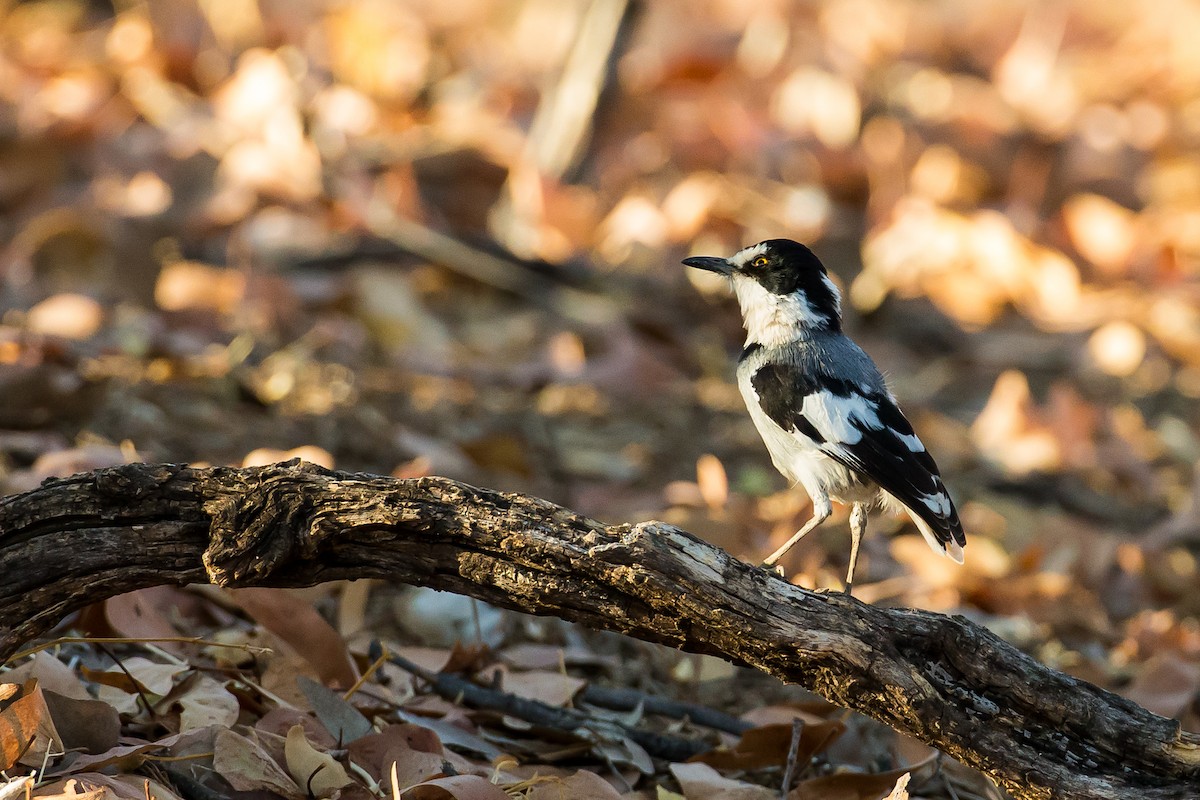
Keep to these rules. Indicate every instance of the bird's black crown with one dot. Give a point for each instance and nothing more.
(784, 267)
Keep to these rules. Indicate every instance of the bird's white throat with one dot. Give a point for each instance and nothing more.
(773, 319)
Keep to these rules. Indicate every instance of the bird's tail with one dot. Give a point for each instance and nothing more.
(949, 548)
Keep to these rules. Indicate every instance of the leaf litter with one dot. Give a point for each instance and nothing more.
(349, 233)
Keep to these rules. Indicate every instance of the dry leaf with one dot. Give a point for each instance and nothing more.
(1102, 231)
(352, 608)
(900, 790)
(1010, 430)
(281, 673)
(20, 724)
(1118, 348)
(264, 456)
(190, 285)
(131, 756)
(247, 767)
(455, 735)
(769, 746)
(91, 726)
(205, 702)
(1166, 684)
(849, 786)
(144, 614)
(278, 721)
(583, 785)
(51, 674)
(343, 721)
(303, 629)
(713, 483)
(61, 463)
(121, 687)
(811, 712)
(122, 787)
(415, 751)
(73, 789)
(319, 773)
(457, 787)
(72, 316)
(20, 786)
(552, 688)
(702, 782)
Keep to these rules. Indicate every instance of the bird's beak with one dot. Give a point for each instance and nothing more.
(720, 266)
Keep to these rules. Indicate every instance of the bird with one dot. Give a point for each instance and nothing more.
(821, 405)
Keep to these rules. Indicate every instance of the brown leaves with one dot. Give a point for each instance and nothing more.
(1167, 684)
(247, 766)
(317, 771)
(299, 626)
(265, 241)
(770, 745)
(702, 782)
(90, 726)
(20, 722)
(411, 753)
(315, 742)
(457, 787)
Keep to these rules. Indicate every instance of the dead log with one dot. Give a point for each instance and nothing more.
(943, 680)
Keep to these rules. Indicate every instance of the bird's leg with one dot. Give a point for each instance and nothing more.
(858, 526)
(821, 511)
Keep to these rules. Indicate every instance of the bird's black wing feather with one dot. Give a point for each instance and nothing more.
(864, 431)
(911, 476)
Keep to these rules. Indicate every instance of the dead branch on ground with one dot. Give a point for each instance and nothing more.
(940, 679)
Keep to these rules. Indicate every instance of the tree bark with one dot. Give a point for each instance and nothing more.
(943, 680)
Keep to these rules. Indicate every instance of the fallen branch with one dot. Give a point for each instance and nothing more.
(459, 689)
(631, 700)
(941, 679)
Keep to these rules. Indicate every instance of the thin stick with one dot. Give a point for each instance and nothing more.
(629, 699)
(102, 640)
(460, 690)
(375, 665)
(562, 123)
(789, 773)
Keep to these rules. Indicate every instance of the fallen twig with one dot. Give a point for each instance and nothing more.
(459, 689)
(630, 699)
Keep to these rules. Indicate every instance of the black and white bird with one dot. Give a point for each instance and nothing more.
(820, 404)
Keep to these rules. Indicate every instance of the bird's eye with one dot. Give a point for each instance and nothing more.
(761, 261)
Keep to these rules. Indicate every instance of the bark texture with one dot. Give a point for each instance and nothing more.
(943, 680)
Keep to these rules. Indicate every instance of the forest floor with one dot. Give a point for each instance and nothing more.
(393, 238)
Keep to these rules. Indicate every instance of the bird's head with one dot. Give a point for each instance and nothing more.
(780, 284)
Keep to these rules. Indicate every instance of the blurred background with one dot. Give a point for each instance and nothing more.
(444, 238)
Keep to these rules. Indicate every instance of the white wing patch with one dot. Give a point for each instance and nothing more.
(936, 503)
(911, 442)
(835, 416)
(843, 421)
